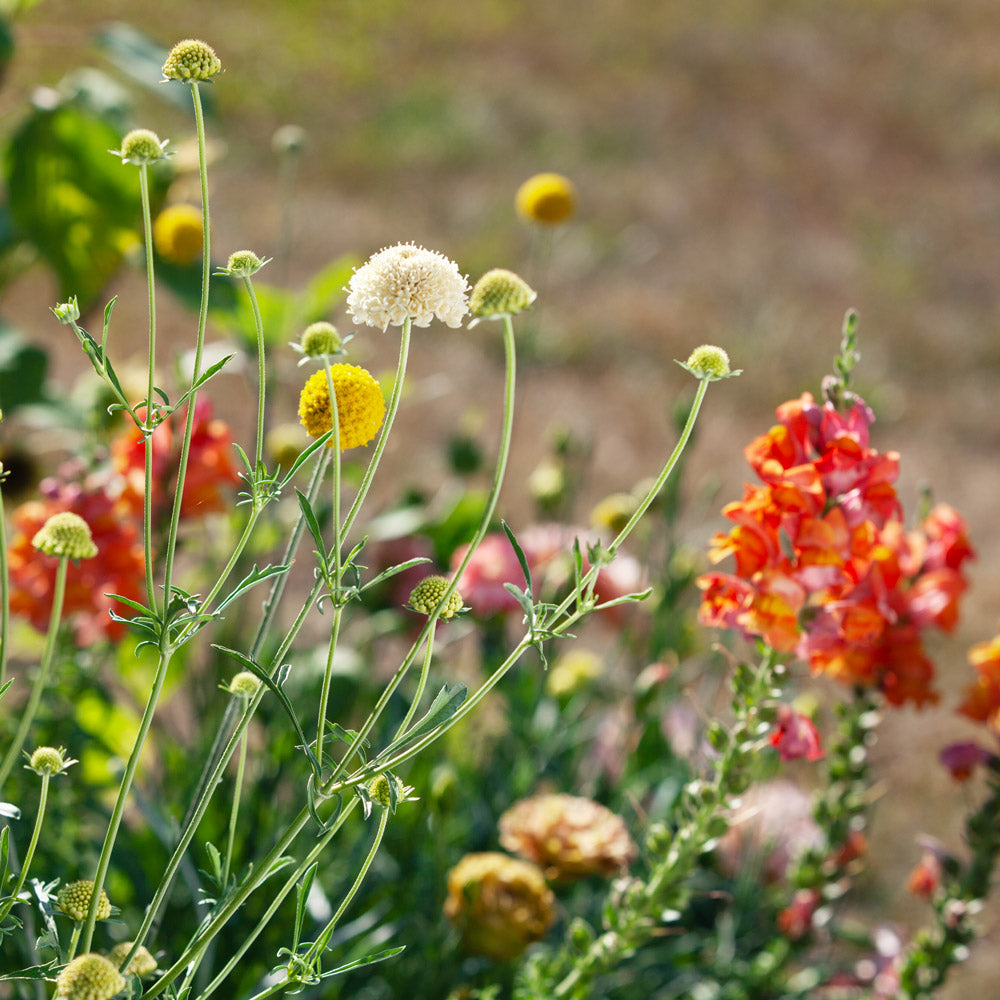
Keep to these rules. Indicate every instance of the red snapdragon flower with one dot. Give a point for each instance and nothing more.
(795, 737)
(823, 566)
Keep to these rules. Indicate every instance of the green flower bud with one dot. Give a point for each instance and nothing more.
(245, 684)
(427, 594)
(74, 900)
(191, 60)
(141, 964)
(320, 338)
(89, 977)
(49, 761)
(66, 535)
(243, 263)
(379, 791)
(500, 293)
(141, 146)
(67, 312)
(709, 362)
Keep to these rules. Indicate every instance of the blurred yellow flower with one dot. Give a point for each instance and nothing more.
(547, 199)
(178, 234)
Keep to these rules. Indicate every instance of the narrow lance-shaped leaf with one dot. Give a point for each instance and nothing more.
(447, 702)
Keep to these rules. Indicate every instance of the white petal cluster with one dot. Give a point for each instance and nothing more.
(407, 280)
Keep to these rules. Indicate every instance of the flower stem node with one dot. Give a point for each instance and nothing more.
(191, 61)
(141, 964)
(74, 900)
(427, 594)
(49, 761)
(406, 281)
(243, 264)
(89, 977)
(360, 405)
(546, 199)
(244, 684)
(499, 293)
(67, 312)
(66, 535)
(708, 362)
(141, 146)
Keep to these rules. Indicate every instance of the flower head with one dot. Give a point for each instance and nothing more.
(142, 963)
(379, 790)
(548, 199)
(245, 684)
(319, 340)
(243, 264)
(961, 759)
(67, 312)
(191, 60)
(794, 736)
(141, 146)
(709, 362)
(178, 234)
(89, 977)
(499, 904)
(74, 900)
(500, 293)
(407, 281)
(427, 594)
(360, 406)
(49, 761)
(66, 535)
(567, 836)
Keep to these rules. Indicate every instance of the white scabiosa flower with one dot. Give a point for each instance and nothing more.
(407, 281)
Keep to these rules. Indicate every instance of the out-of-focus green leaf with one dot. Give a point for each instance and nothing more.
(93, 91)
(185, 283)
(6, 44)
(141, 59)
(22, 371)
(76, 204)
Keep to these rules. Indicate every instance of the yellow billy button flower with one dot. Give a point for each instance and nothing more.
(427, 594)
(49, 761)
(74, 900)
(141, 964)
(360, 406)
(191, 60)
(499, 293)
(141, 146)
(244, 684)
(65, 534)
(708, 362)
(546, 199)
(178, 233)
(89, 977)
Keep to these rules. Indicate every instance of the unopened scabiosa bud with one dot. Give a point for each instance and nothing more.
(89, 977)
(244, 684)
(66, 535)
(243, 264)
(67, 312)
(49, 761)
(141, 146)
(709, 362)
(74, 900)
(140, 964)
(427, 594)
(546, 199)
(360, 406)
(191, 60)
(500, 293)
(407, 281)
(319, 339)
(379, 791)
(178, 234)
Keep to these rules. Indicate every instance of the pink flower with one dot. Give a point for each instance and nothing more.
(795, 736)
(492, 565)
(961, 759)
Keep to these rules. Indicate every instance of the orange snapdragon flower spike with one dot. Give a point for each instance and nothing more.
(824, 568)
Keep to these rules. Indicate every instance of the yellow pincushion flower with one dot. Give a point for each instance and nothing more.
(191, 60)
(547, 199)
(360, 406)
(89, 977)
(178, 234)
(74, 900)
(141, 964)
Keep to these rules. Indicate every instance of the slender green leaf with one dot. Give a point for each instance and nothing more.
(519, 552)
(305, 456)
(252, 578)
(379, 956)
(301, 898)
(447, 702)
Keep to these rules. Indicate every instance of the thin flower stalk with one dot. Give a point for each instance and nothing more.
(5, 588)
(165, 649)
(235, 810)
(41, 678)
(29, 855)
(261, 384)
(149, 424)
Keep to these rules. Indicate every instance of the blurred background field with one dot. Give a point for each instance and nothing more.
(747, 170)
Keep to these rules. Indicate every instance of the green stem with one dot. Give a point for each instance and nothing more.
(48, 654)
(74, 941)
(419, 693)
(235, 811)
(149, 423)
(4, 591)
(22, 878)
(261, 385)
